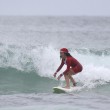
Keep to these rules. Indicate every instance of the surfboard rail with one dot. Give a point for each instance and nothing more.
(60, 89)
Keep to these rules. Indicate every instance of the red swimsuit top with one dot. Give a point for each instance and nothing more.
(70, 62)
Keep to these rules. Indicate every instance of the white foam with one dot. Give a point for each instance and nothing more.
(95, 70)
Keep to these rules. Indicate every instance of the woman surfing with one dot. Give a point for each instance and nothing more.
(73, 67)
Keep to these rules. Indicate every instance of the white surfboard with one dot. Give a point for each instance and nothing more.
(64, 90)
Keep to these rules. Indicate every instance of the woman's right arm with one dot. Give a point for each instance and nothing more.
(59, 68)
(61, 65)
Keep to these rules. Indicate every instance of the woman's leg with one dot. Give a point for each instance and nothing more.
(67, 82)
(71, 72)
(68, 78)
(72, 80)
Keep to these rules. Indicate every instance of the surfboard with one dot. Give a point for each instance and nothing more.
(60, 89)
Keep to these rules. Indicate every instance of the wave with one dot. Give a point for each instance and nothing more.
(35, 65)
(16, 81)
(98, 52)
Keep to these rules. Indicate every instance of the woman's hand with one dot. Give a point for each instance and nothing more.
(60, 76)
(54, 74)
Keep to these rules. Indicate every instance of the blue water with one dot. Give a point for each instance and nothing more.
(29, 55)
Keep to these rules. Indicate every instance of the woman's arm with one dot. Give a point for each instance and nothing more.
(59, 68)
(61, 65)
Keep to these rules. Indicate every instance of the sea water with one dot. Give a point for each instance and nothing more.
(29, 56)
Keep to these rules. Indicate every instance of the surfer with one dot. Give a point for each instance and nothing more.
(73, 67)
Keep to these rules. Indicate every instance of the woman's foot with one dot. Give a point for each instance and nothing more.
(66, 87)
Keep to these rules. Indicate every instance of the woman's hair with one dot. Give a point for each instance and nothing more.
(67, 54)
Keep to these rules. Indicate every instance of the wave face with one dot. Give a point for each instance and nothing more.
(15, 81)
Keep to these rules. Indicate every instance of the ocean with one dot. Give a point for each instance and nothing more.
(29, 56)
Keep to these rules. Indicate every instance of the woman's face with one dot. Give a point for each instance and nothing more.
(62, 55)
